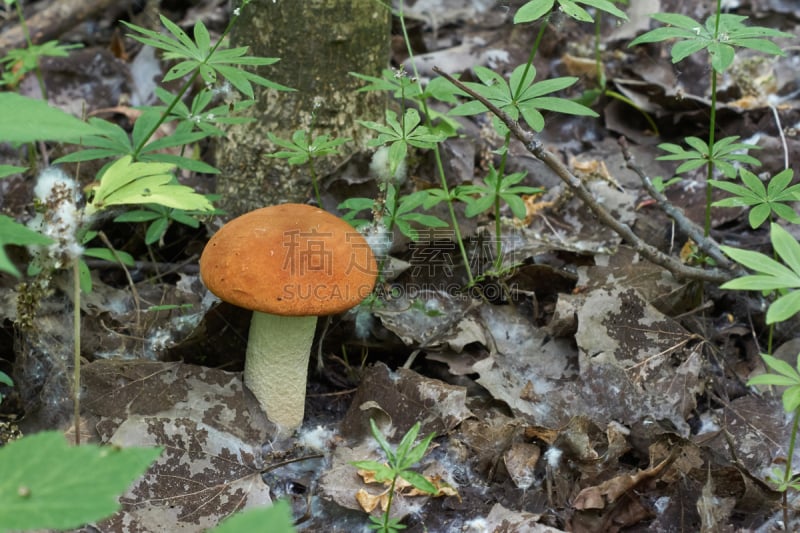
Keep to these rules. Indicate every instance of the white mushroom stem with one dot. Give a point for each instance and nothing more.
(276, 365)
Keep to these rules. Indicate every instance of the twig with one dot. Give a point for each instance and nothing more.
(695, 232)
(536, 148)
(132, 285)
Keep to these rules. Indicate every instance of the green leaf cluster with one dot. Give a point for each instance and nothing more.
(18, 62)
(198, 114)
(520, 96)
(536, 9)
(724, 154)
(784, 376)
(762, 201)
(114, 141)
(398, 210)
(47, 484)
(300, 149)
(401, 132)
(398, 465)
(202, 57)
(719, 40)
(772, 275)
(479, 198)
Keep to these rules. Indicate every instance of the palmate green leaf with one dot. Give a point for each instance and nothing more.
(12, 232)
(125, 182)
(772, 274)
(786, 246)
(415, 454)
(560, 105)
(107, 255)
(404, 446)
(47, 484)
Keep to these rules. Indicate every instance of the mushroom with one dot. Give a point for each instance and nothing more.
(289, 263)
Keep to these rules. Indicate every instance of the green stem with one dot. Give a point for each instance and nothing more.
(438, 157)
(712, 123)
(532, 54)
(498, 260)
(389, 505)
(76, 347)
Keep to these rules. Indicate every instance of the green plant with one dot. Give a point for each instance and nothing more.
(762, 201)
(303, 148)
(520, 96)
(160, 218)
(398, 465)
(784, 376)
(47, 484)
(399, 211)
(17, 63)
(196, 58)
(536, 9)
(772, 275)
(719, 36)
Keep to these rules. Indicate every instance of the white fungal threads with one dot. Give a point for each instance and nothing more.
(380, 166)
(60, 218)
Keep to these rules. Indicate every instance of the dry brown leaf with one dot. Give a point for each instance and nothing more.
(369, 502)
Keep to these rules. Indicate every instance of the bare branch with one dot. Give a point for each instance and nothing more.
(692, 230)
(536, 148)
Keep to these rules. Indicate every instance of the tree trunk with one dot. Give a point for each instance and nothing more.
(319, 42)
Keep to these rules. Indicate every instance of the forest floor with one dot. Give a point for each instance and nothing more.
(588, 390)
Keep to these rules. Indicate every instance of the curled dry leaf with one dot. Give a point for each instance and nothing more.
(598, 496)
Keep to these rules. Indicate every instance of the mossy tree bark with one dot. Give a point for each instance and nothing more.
(319, 43)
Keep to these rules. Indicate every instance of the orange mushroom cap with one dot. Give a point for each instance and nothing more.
(290, 260)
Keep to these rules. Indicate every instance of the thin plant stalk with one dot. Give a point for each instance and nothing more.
(712, 125)
(76, 347)
(437, 156)
(787, 473)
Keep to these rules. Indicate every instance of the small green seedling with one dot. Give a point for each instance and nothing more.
(303, 149)
(784, 376)
(398, 464)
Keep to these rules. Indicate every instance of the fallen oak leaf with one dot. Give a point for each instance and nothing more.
(599, 496)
